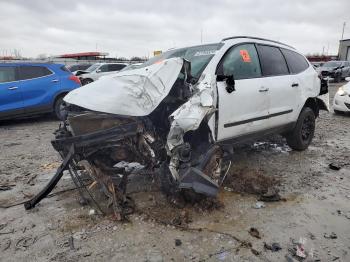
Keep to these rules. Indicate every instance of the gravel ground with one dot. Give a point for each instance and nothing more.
(314, 211)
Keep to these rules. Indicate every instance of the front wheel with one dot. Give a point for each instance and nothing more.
(301, 136)
(59, 109)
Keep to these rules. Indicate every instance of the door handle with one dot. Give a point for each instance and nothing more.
(54, 80)
(263, 89)
(13, 88)
(295, 85)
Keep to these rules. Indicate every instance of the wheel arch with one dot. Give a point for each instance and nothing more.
(312, 103)
(57, 96)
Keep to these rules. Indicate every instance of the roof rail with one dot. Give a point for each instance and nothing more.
(258, 38)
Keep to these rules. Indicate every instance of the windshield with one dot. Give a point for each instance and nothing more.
(199, 56)
(332, 64)
(92, 68)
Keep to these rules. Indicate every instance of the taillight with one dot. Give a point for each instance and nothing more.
(75, 79)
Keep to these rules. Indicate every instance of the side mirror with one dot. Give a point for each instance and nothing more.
(230, 82)
(98, 70)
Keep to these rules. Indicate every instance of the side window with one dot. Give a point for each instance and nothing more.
(29, 72)
(103, 68)
(272, 61)
(242, 62)
(295, 61)
(7, 74)
(116, 67)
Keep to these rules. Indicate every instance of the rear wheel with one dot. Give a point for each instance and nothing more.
(303, 132)
(59, 108)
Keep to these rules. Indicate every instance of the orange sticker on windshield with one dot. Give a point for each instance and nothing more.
(245, 56)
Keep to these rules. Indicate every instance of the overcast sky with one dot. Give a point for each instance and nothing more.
(127, 28)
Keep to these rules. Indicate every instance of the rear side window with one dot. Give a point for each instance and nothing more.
(295, 61)
(115, 67)
(30, 72)
(7, 74)
(272, 61)
(242, 62)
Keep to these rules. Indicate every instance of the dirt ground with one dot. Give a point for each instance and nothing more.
(314, 209)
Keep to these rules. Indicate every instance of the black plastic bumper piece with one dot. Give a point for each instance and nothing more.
(53, 182)
(199, 182)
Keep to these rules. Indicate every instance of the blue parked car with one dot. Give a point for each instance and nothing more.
(32, 88)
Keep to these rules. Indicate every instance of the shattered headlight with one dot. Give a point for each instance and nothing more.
(342, 92)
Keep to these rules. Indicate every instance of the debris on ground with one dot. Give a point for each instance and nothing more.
(254, 232)
(255, 252)
(298, 250)
(272, 195)
(274, 247)
(71, 242)
(25, 242)
(330, 236)
(259, 205)
(334, 166)
(178, 242)
(92, 212)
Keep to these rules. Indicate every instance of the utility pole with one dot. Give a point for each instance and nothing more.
(201, 36)
(342, 34)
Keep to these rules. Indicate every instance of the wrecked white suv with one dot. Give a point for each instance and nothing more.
(178, 115)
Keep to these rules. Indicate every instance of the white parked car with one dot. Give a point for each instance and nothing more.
(341, 101)
(180, 113)
(97, 70)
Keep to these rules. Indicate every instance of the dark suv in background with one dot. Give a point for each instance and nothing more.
(337, 70)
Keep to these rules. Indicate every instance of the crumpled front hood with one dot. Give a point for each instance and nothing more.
(133, 92)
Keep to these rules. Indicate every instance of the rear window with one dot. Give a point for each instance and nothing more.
(272, 61)
(7, 74)
(295, 61)
(30, 72)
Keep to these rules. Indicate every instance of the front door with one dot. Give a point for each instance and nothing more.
(244, 110)
(10, 92)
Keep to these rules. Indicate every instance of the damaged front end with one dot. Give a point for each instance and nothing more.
(151, 121)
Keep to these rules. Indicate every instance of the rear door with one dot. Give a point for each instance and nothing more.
(36, 84)
(244, 110)
(11, 102)
(282, 88)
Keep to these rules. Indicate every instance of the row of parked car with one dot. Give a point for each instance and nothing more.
(33, 88)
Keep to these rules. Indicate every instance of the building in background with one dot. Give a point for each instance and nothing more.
(344, 50)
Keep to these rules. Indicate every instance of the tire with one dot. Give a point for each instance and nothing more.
(86, 81)
(301, 136)
(59, 110)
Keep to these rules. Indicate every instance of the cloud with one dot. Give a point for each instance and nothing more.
(128, 28)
